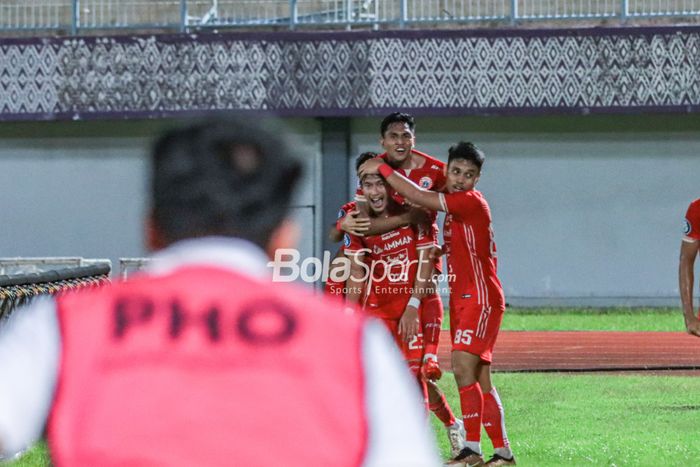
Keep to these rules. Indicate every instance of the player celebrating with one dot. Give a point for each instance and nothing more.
(390, 296)
(686, 278)
(398, 139)
(476, 296)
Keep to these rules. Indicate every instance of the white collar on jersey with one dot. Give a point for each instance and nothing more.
(226, 252)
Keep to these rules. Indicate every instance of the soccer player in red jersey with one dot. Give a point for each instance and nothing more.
(398, 139)
(389, 295)
(686, 278)
(477, 303)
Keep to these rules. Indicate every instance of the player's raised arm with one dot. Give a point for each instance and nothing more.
(405, 187)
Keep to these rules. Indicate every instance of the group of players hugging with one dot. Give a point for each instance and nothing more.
(390, 240)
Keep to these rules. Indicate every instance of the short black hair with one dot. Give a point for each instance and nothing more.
(467, 151)
(364, 157)
(228, 177)
(397, 117)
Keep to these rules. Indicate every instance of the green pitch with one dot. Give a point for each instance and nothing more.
(594, 420)
(589, 319)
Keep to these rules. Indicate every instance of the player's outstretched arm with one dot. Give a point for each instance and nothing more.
(334, 235)
(686, 278)
(382, 225)
(406, 188)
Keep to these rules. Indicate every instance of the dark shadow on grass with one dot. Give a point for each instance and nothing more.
(680, 408)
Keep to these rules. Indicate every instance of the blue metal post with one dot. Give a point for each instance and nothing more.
(624, 9)
(513, 11)
(293, 14)
(183, 15)
(404, 14)
(75, 17)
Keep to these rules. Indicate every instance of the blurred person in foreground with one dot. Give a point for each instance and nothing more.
(686, 277)
(202, 360)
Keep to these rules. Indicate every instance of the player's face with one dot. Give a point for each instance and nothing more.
(374, 188)
(397, 141)
(462, 175)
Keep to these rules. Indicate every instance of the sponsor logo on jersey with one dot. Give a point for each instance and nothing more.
(425, 182)
(686, 227)
(389, 235)
(398, 242)
(346, 240)
(397, 265)
(341, 213)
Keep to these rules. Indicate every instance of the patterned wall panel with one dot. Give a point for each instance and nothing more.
(430, 72)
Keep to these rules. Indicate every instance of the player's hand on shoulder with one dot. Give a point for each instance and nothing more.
(354, 223)
(409, 323)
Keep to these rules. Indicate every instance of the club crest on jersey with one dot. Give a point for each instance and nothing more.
(425, 182)
(378, 250)
(341, 213)
(346, 240)
(686, 227)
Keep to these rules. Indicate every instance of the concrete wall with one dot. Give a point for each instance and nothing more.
(587, 210)
(79, 188)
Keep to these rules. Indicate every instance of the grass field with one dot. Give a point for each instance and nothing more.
(576, 420)
(594, 420)
(590, 319)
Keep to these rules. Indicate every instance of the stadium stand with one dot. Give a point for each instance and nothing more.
(90, 16)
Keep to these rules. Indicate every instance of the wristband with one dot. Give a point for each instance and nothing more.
(414, 302)
(385, 170)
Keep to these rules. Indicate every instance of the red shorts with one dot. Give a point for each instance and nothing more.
(474, 328)
(412, 350)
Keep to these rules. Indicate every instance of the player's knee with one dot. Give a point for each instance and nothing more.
(464, 369)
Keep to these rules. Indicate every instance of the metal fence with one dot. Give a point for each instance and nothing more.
(81, 15)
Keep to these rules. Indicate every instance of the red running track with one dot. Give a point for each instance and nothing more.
(588, 351)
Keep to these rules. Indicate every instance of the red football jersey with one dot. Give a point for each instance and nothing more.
(392, 259)
(691, 228)
(471, 249)
(430, 177)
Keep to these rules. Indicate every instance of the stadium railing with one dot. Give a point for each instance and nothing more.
(80, 16)
(24, 279)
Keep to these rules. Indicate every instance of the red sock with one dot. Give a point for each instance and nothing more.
(472, 401)
(424, 391)
(443, 411)
(431, 320)
(494, 420)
